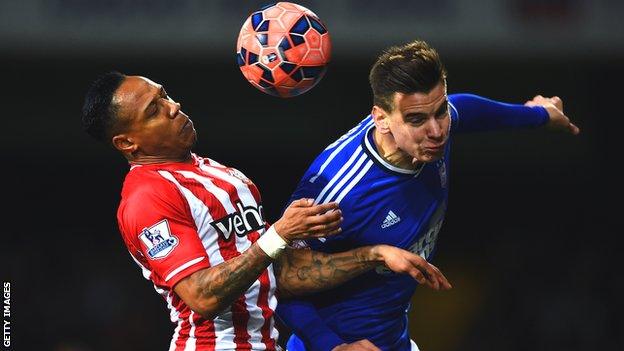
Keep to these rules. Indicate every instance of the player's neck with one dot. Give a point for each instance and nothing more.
(151, 159)
(389, 151)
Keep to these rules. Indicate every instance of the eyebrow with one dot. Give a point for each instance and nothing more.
(160, 92)
(443, 106)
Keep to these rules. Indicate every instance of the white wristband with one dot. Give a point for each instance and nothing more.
(271, 243)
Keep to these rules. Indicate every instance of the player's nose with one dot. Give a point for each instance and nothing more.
(434, 129)
(174, 109)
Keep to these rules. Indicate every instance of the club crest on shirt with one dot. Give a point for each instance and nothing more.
(442, 172)
(158, 240)
(238, 174)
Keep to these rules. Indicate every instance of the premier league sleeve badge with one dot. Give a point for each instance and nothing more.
(158, 240)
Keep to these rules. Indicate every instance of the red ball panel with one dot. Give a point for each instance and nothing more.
(276, 69)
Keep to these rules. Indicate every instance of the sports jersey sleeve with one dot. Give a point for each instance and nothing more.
(301, 316)
(475, 113)
(159, 230)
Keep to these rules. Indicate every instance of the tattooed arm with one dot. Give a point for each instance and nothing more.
(208, 291)
(303, 271)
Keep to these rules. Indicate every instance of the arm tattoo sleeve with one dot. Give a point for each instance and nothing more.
(226, 282)
(303, 271)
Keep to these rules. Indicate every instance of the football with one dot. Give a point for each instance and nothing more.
(283, 49)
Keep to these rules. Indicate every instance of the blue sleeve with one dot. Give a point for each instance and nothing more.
(303, 319)
(475, 113)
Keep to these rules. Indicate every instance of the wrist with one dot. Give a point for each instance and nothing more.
(373, 254)
(279, 229)
(272, 243)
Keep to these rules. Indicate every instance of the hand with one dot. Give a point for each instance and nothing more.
(304, 220)
(554, 107)
(361, 345)
(402, 261)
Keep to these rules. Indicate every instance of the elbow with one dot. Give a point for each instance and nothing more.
(208, 308)
(199, 299)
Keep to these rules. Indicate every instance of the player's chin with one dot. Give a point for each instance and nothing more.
(431, 156)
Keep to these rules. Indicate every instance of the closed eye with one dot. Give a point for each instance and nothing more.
(152, 108)
(443, 110)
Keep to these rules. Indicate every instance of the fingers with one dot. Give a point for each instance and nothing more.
(311, 208)
(314, 209)
(325, 229)
(444, 283)
(304, 220)
(325, 218)
(410, 265)
(432, 275)
(319, 209)
(573, 129)
(555, 100)
(302, 203)
(415, 273)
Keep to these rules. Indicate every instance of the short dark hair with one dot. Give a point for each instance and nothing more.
(99, 113)
(410, 68)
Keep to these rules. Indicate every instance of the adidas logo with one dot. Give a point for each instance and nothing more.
(391, 219)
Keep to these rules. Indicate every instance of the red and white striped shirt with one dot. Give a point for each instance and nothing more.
(178, 218)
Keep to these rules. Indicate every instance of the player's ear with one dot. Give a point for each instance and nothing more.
(124, 143)
(380, 117)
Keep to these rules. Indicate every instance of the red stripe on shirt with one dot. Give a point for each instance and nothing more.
(184, 332)
(204, 333)
(265, 285)
(227, 248)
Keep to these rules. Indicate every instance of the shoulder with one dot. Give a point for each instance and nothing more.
(150, 190)
(147, 182)
(340, 154)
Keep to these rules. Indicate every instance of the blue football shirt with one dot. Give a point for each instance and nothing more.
(382, 204)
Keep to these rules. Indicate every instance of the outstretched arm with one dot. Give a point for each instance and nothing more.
(476, 113)
(557, 119)
(303, 271)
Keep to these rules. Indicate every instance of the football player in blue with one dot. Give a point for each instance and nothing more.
(390, 176)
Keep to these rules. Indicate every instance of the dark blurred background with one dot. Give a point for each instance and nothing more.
(530, 238)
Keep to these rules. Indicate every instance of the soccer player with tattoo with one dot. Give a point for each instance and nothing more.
(196, 228)
(390, 175)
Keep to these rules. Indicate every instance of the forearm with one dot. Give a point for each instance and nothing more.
(210, 290)
(303, 271)
(476, 113)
